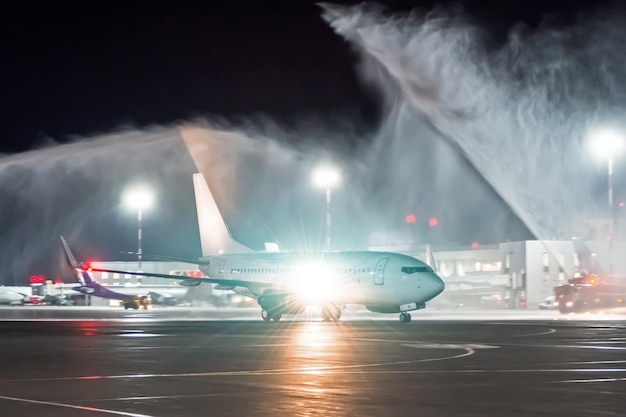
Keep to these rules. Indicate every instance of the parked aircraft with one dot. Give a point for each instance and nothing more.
(90, 287)
(286, 282)
(11, 296)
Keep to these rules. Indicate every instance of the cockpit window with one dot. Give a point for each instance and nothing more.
(414, 269)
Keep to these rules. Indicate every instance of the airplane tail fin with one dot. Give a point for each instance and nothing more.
(83, 276)
(69, 254)
(215, 237)
(430, 259)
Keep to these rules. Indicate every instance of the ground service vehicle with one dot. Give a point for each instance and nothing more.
(135, 303)
(591, 292)
(549, 303)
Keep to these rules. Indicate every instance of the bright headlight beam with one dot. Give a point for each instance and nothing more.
(315, 285)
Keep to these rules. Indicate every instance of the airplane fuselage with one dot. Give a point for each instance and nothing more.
(10, 297)
(382, 281)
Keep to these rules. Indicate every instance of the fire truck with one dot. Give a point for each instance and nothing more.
(591, 292)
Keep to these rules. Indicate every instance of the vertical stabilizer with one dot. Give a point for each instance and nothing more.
(430, 259)
(215, 237)
(84, 277)
(69, 254)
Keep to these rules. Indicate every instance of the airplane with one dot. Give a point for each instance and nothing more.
(89, 286)
(11, 297)
(288, 282)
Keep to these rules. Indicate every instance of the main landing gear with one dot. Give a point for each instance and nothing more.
(267, 317)
(405, 317)
(332, 313)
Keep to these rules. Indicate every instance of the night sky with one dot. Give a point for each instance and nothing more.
(75, 69)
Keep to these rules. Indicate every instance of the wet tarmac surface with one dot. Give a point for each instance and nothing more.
(184, 362)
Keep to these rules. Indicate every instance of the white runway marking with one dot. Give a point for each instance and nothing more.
(567, 346)
(77, 407)
(471, 346)
(279, 371)
(580, 381)
(593, 362)
(549, 331)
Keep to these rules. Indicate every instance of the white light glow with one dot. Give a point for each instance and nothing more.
(607, 143)
(326, 177)
(138, 198)
(315, 285)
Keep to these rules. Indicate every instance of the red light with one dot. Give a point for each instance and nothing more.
(410, 218)
(58, 281)
(37, 279)
(433, 221)
(474, 245)
(194, 274)
(621, 204)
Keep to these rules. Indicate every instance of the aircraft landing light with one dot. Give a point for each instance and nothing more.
(316, 285)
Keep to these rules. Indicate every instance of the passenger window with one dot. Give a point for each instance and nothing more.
(414, 269)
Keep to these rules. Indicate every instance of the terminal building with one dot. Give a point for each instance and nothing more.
(516, 274)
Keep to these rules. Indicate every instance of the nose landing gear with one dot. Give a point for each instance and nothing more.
(405, 317)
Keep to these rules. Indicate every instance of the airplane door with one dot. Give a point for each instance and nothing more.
(379, 273)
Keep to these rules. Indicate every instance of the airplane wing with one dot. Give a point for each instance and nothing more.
(190, 281)
(255, 288)
(170, 258)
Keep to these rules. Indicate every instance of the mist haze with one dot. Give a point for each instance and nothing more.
(489, 138)
(521, 112)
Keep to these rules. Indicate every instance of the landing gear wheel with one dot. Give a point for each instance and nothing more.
(325, 314)
(336, 313)
(266, 316)
(332, 313)
(405, 317)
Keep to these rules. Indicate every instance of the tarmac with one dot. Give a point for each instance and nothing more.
(81, 361)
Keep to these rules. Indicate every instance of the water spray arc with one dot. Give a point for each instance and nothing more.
(518, 113)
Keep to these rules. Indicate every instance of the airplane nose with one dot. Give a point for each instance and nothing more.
(436, 285)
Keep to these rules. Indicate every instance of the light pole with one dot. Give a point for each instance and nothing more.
(138, 199)
(607, 143)
(326, 177)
